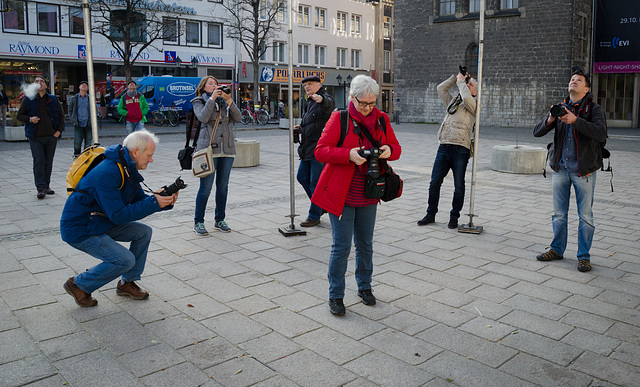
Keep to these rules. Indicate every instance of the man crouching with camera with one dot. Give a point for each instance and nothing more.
(103, 210)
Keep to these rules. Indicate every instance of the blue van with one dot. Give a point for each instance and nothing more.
(163, 92)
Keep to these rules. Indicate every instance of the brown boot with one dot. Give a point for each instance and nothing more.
(83, 299)
(132, 290)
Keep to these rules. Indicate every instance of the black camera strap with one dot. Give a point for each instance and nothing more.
(358, 129)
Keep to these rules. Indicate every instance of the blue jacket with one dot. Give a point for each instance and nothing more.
(29, 108)
(104, 205)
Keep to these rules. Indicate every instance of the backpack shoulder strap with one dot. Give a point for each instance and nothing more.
(344, 125)
(383, 124)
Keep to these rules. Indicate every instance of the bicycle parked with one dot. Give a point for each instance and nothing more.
(250, 115)
(165, 114)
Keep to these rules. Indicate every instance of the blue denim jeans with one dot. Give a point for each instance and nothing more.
(308, 175)
(357, 223)
(117, 260)
(134, 126)
(80, 134)
(454, 158)
(43, 149)
(221, 176)
(583, 186)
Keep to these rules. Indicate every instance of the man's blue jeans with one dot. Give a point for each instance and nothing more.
(117, 260)
(221, 176)
(43, 149)
(80, 134)
(454, 158)
(134, 126)
(308, 175)
(583, 186)
(357, 223)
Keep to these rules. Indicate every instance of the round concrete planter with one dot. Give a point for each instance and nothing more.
(523, 159)
(247, 154)
(284, 122)
(14, 133)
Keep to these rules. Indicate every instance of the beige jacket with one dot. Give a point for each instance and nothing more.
(456, 128)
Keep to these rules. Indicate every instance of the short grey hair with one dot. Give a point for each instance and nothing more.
(140, 139)
(363, 85)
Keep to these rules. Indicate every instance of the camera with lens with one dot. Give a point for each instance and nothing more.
(463, 71)
(372, 155)
(558, 110)
(225, 89)
(296, 135)
(173, 188)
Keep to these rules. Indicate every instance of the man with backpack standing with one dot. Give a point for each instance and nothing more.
(575, 155)
(319, 109)
(133, 107)
(80, 118)
(104, 209)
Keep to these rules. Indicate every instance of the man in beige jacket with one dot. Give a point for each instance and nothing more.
(455, 143)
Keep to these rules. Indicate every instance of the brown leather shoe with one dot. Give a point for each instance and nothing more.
(309, 223)
(83, 299)
(132, 290)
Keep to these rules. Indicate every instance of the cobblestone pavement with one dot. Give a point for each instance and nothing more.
(250, 307)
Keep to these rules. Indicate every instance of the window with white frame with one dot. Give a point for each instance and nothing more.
(355, 58)
(263, 50)
(321, 55)
(387, 61)
(447, 7)
(386, 27)
(474, 6)
(214, 33)
(341, 57)
(262, 11)
(341, 22)
(47, 19)
(303, 53)
(508, 4)
(356, 21)
(279, 50)
(193, 33)
(76, 21)
(170, 29)
(321, 18)
(136, 20)
(14, 19)
(281, 16)
(304, 12)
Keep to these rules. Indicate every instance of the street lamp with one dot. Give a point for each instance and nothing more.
(178, 62)
(344, 85)
(194, 63)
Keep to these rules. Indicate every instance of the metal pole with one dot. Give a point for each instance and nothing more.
(470, 228)
(92, 85)
(291, 229)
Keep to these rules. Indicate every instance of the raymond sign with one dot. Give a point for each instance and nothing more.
(270, 74)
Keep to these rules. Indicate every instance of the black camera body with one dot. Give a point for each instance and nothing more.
(173, 188)
(296, 135)
(225, 89)
(372, 155)
(463, 71)
(558, 110)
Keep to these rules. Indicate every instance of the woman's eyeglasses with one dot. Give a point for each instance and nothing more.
(365, 105)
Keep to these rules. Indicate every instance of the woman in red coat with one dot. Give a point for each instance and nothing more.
(340, 189)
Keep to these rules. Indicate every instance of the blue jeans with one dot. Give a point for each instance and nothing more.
(308, 175)
(43, 149)
(583, 186)
(221, 175)
(134, 126)
(357, 223)
(117, 260)
(80, 134)
(454, 158)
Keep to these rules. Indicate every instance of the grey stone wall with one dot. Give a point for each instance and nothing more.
(527, 57)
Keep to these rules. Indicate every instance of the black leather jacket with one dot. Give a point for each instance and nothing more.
(589, 130)
(313, 123)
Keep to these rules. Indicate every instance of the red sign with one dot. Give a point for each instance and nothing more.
(244, 69)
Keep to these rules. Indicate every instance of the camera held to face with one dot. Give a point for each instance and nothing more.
(173, 188)
(558, 110)
(225, 89)
(463, 71)
(372, 155)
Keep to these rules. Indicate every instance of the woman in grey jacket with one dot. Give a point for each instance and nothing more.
(209, 102)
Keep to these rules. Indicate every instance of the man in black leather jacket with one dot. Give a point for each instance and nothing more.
(319, 108)
(575, 156)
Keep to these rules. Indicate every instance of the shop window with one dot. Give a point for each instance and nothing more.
(193, 33)
(341, 57)
(508, 4)
(47, 19)
(303, 53)
(170, 29)
(134, 22)
(356, 22)
(214, 31)
(303, 15)
(321, 18)
(14, 18)
(76, 21)
(341, 22)
(355, 58)
(447, 7)
(321, 55)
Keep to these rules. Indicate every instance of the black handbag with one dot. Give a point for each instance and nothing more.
(393, 184)
(185, 155)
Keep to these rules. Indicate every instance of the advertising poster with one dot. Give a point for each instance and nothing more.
(617, 36)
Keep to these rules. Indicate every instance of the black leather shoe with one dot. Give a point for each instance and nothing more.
(428, 219)
(367, 296)
(453, 223)
(49, 191)
(41, 194)
(337, 306)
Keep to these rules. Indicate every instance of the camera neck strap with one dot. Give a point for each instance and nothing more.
(215, 127)
(359, 130)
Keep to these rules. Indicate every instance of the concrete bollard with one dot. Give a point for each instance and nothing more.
(247, 154)
(523, 159)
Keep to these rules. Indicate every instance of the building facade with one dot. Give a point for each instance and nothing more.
(529, 49)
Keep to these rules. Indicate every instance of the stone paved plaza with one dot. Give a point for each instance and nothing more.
(250, 307)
